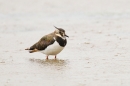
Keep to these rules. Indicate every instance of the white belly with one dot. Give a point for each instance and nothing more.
(53, 49)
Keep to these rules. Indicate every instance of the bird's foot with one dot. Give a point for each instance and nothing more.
(47, 57)
(55, 56)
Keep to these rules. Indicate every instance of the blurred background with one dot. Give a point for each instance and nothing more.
(20, 15)
(97, 52)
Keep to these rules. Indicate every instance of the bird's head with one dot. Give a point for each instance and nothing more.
(60, 32)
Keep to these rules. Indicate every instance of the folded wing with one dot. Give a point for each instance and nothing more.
(42, 43)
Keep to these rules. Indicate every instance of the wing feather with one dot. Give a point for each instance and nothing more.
(43, 42)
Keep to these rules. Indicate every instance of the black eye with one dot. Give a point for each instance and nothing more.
(60, 32)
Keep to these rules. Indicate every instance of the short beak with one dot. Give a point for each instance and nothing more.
(66, 36)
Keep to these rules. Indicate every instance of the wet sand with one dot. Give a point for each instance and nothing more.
(97, 52)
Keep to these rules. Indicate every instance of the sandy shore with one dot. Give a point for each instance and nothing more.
(97, 53)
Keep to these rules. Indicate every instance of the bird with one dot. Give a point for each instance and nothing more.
(50, 44)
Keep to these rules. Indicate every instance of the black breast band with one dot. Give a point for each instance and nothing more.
(62, 42)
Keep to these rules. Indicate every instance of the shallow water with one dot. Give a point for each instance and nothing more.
(97, 52)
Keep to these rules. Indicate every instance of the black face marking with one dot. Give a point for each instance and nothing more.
(61, 31)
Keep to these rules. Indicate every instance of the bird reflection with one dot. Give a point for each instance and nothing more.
(49, 62)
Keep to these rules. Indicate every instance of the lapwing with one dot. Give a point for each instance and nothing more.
(51, 44)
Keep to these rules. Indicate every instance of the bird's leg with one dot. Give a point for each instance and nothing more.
(46, 57)
(55, 56)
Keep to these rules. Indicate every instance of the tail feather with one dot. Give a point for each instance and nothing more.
(27, 49)
(32, 51)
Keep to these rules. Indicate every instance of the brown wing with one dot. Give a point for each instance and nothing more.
(43, 43)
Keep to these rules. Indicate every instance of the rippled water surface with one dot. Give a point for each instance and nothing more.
(97, 51)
